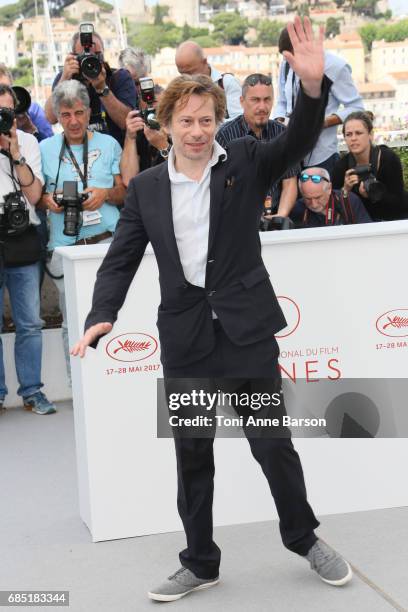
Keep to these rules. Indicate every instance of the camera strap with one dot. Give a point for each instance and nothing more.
(82, 175)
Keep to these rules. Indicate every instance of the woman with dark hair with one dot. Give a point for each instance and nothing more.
(372, 172)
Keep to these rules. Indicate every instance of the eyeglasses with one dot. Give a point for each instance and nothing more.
(315, 178)
(254, 79)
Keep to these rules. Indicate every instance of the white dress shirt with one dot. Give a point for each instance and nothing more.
(190, 201)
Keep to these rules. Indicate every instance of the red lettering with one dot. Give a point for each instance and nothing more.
(308, 371)
(329, 363)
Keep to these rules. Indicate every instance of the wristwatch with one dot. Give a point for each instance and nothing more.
(165, 152)
(21, 161)
(104, 92)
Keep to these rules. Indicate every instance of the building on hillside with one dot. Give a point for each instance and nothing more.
(78, 9)
(183, 11)
(387, 57)
(400, 82)
(239, 60)
(8, 46)
(135, 10)
(351, 48)
(380, 98)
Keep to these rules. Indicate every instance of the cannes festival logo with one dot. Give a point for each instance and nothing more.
(393, 323)
(292, 315)
(131, 347)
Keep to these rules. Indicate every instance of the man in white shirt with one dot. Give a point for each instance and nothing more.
(21, 184)
(190, 59)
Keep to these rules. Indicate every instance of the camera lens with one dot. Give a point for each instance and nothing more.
(91, 67)
(18, 220)
(72, 221)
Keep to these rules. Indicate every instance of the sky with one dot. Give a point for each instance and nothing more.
(398, 7)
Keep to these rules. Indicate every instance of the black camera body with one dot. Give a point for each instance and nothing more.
(146, 88)
(374, 188)
(14, 214)
(90, 65)
(277, 223)
(7, 116)
(72, 202)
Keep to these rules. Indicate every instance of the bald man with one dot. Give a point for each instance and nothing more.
(190, 59)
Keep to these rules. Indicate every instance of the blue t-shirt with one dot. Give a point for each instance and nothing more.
(103, 163)
(40, 121)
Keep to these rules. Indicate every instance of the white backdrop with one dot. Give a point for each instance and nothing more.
(335, 284)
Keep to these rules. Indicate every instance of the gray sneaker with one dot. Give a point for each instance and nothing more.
(179, 584)
(328, 564)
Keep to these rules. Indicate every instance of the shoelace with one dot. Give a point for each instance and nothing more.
(320, 556)
(179, 572)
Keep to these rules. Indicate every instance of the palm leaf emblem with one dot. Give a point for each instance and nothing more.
(132, 346)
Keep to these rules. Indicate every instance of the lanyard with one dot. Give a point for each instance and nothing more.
(82, 175)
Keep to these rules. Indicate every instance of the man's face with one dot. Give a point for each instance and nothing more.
(6, 101)
(257, 104)
(96, 48)
(74, 121)
(314, 195)
(190, 63)
(193, 128)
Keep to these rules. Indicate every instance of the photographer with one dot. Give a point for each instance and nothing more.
(322, 206)
(372, 172)
(136, 62)
(144, 146)
(20, 189)
(112, 92)
(91, 161)
(33, 120)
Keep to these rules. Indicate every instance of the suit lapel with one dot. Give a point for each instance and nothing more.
(217, 186)
(163, 196)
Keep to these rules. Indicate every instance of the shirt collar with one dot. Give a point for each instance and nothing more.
(218, 154)
(248, 131)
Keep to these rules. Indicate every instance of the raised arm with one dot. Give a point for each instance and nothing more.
(307, 61)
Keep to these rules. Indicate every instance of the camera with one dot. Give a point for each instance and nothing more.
(14, 214)
(72, 201)
(374, 188)
(277, 223)
(7, 116)
(146, 88)
(90, 65)
(23, 100)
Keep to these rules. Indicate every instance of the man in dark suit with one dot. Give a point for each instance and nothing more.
(218, 314)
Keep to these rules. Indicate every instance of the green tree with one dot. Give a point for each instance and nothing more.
(368, 33)
(216, 4)
(23, 73)
(267, 33)
(230, 28)
(303, 10)
(159, 12)
(332, 27)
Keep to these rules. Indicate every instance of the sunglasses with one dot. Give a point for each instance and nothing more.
(254, 79)
(315, 178)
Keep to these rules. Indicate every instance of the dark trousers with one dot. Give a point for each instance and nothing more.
(277, 457)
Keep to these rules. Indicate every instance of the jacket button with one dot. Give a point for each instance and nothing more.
(211, 260)
(211, 293)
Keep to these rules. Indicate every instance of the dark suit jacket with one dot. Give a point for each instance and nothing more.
(237, 283)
